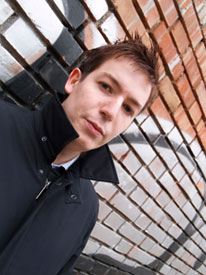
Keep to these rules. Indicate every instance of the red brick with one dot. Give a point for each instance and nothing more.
(180, 37)
(165, 43)
(158, 109)
(137, 26)
(142, 3)
(169, 11)
(183, 4)
(198, 3)
(201, 186)
(201, 93)
(195, 112)
(169, 51)
(169, 93)
(201, 53)
(192, 25)
(159, 31)
(129, 16)
(185, 91)
(150, 11)
(200, 126)
(200, 8)
(152, 16)
(161, 69)
(204, 31)
(201, 12)
(191, 67)
(126, 11)
(201, 130)
(176, 67)
(183, 121)
(146, 39)
(203, 138)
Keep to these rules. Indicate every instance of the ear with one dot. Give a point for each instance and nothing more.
(73, 79)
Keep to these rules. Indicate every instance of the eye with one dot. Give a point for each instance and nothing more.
(128, 109)
(105, 86)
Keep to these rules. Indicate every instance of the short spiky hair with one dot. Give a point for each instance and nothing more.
(145, 58)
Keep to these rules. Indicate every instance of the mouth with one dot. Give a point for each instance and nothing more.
(94, 128)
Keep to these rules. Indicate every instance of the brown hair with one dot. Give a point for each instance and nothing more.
(132, 48)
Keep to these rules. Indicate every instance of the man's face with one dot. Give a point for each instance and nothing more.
(104, 104)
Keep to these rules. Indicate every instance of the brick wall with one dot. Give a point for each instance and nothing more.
(154, 221)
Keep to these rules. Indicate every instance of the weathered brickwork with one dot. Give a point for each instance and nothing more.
(154, 221)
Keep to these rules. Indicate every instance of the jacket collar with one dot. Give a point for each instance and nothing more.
(55, 131)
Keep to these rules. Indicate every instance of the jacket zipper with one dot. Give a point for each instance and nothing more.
(46, 186)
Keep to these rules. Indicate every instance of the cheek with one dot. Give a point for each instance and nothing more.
(120, 126)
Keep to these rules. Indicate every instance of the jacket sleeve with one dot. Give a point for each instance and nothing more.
(69, 266)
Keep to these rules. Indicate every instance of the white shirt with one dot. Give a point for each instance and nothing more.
(67, 164)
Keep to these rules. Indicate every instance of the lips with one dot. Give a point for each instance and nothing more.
(94, 128)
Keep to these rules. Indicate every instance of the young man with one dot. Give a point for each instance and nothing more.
(46, 216)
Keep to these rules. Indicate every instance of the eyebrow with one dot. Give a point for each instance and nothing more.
(116, 83)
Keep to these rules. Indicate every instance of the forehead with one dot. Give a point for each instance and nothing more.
(116, 61)
(123, 67)
(127, 77)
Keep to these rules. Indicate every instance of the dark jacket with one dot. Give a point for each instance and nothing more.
(44, 236)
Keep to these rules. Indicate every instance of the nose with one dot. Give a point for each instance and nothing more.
(110, 109)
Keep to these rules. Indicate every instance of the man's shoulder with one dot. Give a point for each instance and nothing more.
(11, 107)
(11, 113)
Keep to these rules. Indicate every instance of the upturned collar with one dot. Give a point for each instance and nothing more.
(55, 131)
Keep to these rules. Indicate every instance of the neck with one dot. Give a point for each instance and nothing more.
(66, 155)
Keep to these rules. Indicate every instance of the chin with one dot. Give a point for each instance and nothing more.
(89, 143)
(86, 146)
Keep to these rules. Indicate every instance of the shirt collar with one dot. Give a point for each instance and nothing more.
(67, 164)
(55, 131)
